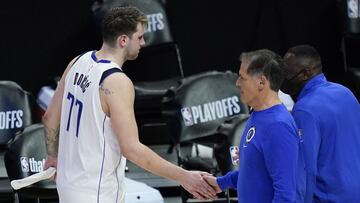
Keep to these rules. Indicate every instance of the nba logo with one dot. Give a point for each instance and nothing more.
(186, 114)
(24, 164)
(233, 150)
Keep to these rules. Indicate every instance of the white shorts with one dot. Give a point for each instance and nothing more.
(72, 196)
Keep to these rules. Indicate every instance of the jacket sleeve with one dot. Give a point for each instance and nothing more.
(309, 128)
(228, 181)
(281, 148)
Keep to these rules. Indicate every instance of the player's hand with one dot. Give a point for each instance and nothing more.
(195, 184)
(211, 180)
(51, 162)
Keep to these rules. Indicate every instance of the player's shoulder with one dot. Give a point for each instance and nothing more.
(118, 79)
(282, 120)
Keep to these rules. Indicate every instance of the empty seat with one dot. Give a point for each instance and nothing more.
(200, 103)
(194, 111)
(15, 115)
(26, 156)
(15, 111)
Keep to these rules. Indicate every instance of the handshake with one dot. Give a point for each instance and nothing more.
(203, 185)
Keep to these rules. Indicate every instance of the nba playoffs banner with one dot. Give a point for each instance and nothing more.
(201, 103)
(15, 112)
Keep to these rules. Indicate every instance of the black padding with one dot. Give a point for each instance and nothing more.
(151, 123)
(197, 107)
(155, 88)
(6, 192)
(15, 112)
(26, 156)
(353, 75)
(157, 31)
(155, 63)
(228, 134)
(150, 94)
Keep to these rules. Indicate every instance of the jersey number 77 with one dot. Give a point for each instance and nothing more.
(79, 106)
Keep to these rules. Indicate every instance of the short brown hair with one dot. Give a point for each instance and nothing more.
(121, 20)
(265, 62)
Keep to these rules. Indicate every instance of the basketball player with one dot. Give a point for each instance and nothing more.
(90, 127)
(270, 167)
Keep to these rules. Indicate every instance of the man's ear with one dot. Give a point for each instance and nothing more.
(308, 73)
(262, 82)
(122, 40)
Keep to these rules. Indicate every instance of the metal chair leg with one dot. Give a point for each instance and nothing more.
(16, 197)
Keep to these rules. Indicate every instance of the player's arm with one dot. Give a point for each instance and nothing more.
(117, 92)
(229, 180)
(280, 147)
(51, 121)
(311, 137)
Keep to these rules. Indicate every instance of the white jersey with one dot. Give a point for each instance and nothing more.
(90, 164)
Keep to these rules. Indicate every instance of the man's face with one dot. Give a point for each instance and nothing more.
(247, 84)
(136, 42)
(293, 73)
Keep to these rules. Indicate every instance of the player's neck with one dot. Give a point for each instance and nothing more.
(112, 54)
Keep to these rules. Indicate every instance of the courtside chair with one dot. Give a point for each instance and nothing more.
(194, 111)
(26, 156)
(15, 115)
(15, 110)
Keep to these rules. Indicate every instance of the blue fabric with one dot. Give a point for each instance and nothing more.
(328, 115)
(93, 56)
(270, 165)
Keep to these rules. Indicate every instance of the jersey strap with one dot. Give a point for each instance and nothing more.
(109, 72)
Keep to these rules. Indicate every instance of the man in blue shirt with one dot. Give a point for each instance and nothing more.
(328, 115)
(269, 147)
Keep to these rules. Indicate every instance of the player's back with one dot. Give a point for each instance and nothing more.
(90, 165)
(336, 112)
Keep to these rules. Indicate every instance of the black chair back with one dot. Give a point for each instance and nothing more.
(197, 107)
(228, 134)
(15, 111)
(26, 156)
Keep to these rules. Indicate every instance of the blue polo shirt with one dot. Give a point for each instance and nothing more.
(269, 159)
(328, 115)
